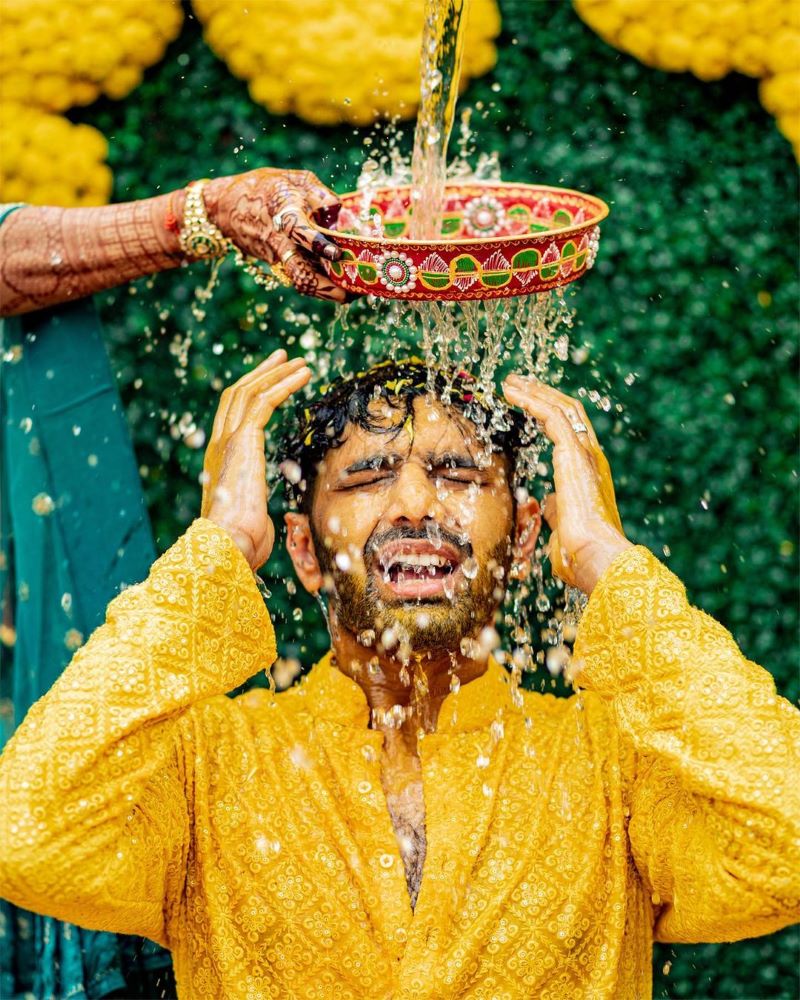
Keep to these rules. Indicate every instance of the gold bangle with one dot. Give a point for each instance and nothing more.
(199, 238)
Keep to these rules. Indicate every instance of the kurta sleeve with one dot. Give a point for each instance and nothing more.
(715, 786)
(94, 824)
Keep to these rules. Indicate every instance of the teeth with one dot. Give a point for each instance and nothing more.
(416, 559)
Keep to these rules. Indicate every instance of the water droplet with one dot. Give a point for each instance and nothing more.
(43, 504)
(470, 568)
(434, 533)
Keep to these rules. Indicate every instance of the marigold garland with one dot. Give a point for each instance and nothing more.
(58, 54)
(332, 61)
(710, 38)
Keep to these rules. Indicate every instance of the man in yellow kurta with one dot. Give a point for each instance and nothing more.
(404, 823)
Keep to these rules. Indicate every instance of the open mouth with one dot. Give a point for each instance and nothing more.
(413, 569)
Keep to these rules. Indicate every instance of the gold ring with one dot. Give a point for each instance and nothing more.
(279, 272)
(287, 255)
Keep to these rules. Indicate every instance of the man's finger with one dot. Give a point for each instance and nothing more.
(554, 421)
(265, 404)
(243, 398)
(532, 389)
(550, 511)
(274, 359)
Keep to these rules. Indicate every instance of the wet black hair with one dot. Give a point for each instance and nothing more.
(350, 399)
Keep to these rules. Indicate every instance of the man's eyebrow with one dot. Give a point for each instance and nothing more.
(374, 463)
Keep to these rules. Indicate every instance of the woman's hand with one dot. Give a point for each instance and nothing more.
(266, 213)
(582, 512)
(234, 471)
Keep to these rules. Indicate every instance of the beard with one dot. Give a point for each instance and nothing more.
(429, 625)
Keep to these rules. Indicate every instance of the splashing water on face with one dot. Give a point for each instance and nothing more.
(483, 338)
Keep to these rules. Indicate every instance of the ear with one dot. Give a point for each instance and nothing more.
(300, 545)
(526, 534)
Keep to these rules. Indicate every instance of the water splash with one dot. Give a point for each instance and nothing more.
(440, 71)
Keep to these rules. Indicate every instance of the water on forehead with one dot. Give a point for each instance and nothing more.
(434, 431)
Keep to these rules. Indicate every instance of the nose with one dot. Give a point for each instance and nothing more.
(413, 498)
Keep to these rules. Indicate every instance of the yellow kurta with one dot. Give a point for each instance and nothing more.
(251, 836)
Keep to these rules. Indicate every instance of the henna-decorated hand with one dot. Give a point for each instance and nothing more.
(266, 213)
(587, 532)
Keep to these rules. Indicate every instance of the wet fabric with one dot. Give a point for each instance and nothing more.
(74, 530)
(251, 835)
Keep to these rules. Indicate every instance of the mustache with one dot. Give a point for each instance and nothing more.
(432, 533)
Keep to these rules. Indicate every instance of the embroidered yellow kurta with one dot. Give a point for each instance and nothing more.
(251, 835)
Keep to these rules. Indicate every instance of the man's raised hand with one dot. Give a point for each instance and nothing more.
(587, 532)
(234, 471)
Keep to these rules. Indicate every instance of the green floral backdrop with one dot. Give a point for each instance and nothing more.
(688, 320)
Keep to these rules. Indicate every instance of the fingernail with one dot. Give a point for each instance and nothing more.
(332, 252)
(514, 380)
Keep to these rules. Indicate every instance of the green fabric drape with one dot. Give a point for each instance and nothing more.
(74, 530)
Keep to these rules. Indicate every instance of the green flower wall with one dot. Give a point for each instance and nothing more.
(688, 321)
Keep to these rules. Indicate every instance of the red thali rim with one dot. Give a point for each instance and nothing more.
(498, 186)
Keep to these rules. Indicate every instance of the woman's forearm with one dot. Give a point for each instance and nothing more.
(53, 255)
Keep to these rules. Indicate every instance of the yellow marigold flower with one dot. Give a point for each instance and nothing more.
(83, 92)
(51, 91)
(83, 42)
(749, 55)
(783, 52)
(758, 37)
(789, 124)
(673, 52)
(55, 54)
(780, 94)
(293, 56)
(45, 159)
(122, 81)
(51, 192)
(638, 39)
(695, 20)
(605, 18)
(91, 142)
(711, 60)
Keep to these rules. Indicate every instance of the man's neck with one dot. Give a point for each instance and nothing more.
(418, 686)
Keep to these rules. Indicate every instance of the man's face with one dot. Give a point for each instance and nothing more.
(414, 529)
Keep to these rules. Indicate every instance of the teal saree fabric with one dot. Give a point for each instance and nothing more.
(73, 531)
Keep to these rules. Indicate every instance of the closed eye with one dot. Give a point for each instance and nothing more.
(364, 482)
(462, 477)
